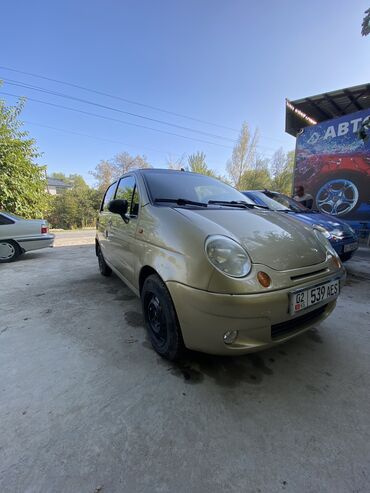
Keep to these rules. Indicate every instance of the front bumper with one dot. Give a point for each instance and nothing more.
(261, 319)
(339, 245)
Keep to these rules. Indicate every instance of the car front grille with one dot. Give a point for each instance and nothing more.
(284, 328)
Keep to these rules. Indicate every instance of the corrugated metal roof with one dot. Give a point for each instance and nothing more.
(325, 106)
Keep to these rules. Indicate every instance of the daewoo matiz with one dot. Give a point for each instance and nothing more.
(215, 272)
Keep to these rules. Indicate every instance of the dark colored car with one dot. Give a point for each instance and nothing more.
(342, 237)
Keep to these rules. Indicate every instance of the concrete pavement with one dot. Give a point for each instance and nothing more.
(86, 405)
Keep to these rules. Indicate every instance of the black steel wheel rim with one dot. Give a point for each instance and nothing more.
(156, 319)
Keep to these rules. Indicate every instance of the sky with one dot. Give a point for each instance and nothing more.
(222, 62)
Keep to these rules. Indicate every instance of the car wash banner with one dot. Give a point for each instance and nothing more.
(333, 165)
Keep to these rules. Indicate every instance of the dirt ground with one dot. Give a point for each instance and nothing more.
(87, 406)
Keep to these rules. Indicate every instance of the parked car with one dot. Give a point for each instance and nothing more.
(18, 235)
(342, 237)
(215, 272)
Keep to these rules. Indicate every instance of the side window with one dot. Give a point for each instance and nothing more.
(127, 190)
(108, 197)
(5, 220)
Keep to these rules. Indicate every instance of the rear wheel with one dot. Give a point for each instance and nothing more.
(9, 251)
(161, 319)
(104, 268)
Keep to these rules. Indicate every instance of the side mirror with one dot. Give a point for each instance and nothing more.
(118, 206)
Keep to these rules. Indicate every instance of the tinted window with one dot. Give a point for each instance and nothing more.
(286, 201)
(127, 191)
(5, 220)
(262, 199)
(108, 197)
(189, 186)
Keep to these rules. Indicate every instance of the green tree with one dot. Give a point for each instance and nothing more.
(22, 181)
(366, 23)
(258, 177)
(197, 164)
(244, 154)
(76, 207)
(282, 171)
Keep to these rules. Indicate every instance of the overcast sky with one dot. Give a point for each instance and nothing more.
(217, 61)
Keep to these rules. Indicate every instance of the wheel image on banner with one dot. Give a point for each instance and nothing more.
(338, 197)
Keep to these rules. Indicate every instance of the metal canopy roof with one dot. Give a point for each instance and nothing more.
(314, 109)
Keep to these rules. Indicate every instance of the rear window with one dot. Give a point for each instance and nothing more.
(5, 220)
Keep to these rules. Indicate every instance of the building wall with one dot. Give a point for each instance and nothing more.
(333, 164)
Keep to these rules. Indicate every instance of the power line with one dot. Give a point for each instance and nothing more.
(116, 120)
(104, 139)
(92, 103)
(101, 93)
(94, 91)
(124, 122)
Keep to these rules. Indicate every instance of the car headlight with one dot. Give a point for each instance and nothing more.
(322, 230)
(324, 241)
(227, 256)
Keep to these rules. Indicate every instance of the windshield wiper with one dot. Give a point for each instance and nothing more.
(182, 202)
(236, 203)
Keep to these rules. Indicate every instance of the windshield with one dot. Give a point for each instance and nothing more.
(262, 199)
(190, 187)
(286, 202)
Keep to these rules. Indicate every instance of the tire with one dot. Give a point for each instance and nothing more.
(349, 184)
(104, 268)
(161, 319)
(9, 251)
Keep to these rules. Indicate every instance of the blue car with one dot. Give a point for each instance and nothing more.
(342, 237)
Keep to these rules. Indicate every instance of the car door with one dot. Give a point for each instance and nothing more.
(105, 222)
(123, 230)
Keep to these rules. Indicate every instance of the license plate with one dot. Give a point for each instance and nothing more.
(300, 300)
(349, 247)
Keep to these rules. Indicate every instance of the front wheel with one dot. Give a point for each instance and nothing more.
(9, 251)
(161, 319)
(104, 268)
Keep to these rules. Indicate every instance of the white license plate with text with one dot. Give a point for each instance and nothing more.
(304, 298)
(349, 247)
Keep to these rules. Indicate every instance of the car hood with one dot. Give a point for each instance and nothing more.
(270, 238)
(330, 223)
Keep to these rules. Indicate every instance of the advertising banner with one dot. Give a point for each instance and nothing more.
(333, 165)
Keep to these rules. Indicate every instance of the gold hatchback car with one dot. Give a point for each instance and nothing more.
(215, 272)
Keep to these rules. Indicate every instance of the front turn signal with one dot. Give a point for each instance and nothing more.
(264, 279)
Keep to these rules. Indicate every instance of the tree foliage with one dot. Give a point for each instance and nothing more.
(22, 181)
(75, 207)
(107, 171)
(366, 23)
(176, 162)
(244, 154)
(257, 177)
(197, 164)
(282, 171)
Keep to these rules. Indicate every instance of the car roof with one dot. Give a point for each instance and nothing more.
(264, 190)
(163, 171)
